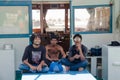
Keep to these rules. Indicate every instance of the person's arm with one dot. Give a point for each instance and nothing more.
(62, 52)
(39, 67)
(42, 63)
(43, 56)
(31, 66)
(47, 57)
(70, 57)
(25, 59)
(27, 63)
(82, 56)
(85, 50)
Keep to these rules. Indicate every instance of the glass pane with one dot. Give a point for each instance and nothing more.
(92, 19)
(68, 18)
(36, 19)
(14, 20)
(55, 19)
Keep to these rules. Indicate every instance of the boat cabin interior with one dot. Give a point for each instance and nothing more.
(52, 17)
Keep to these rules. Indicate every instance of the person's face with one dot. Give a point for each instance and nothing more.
(53, 41)
(37, 41)
(77, 40)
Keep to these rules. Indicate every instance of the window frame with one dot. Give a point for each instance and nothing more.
(92, 6)
(22, 4)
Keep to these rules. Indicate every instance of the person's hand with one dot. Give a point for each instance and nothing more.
(44, 64)
(78, 46)
(33, 67)
(49, 59)
(55, 59)
(39, 68)
(77, 56)
(82, 57)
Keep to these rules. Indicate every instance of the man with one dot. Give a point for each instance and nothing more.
(76, 60)
(34, 55)
(54, 52)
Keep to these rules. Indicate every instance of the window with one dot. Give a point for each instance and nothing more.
(92, 19)
(14, 20)
(36, 18)
(50, 17)
(68, 18)
(55, 19)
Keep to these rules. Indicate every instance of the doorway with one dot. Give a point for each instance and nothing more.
(52, 17)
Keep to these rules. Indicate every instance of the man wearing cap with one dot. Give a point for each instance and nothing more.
(76, 60)
(34, 55)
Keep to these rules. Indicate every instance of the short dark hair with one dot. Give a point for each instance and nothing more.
(77, 35)
(33, 36)
(54, 37)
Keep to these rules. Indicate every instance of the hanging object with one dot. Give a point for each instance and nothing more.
(118, 22)
(111, 2)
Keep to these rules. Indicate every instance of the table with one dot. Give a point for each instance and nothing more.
(93, 64)
(71, 75)
(7, 65)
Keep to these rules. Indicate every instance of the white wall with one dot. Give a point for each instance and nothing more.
(92, 40)
(18, 45)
